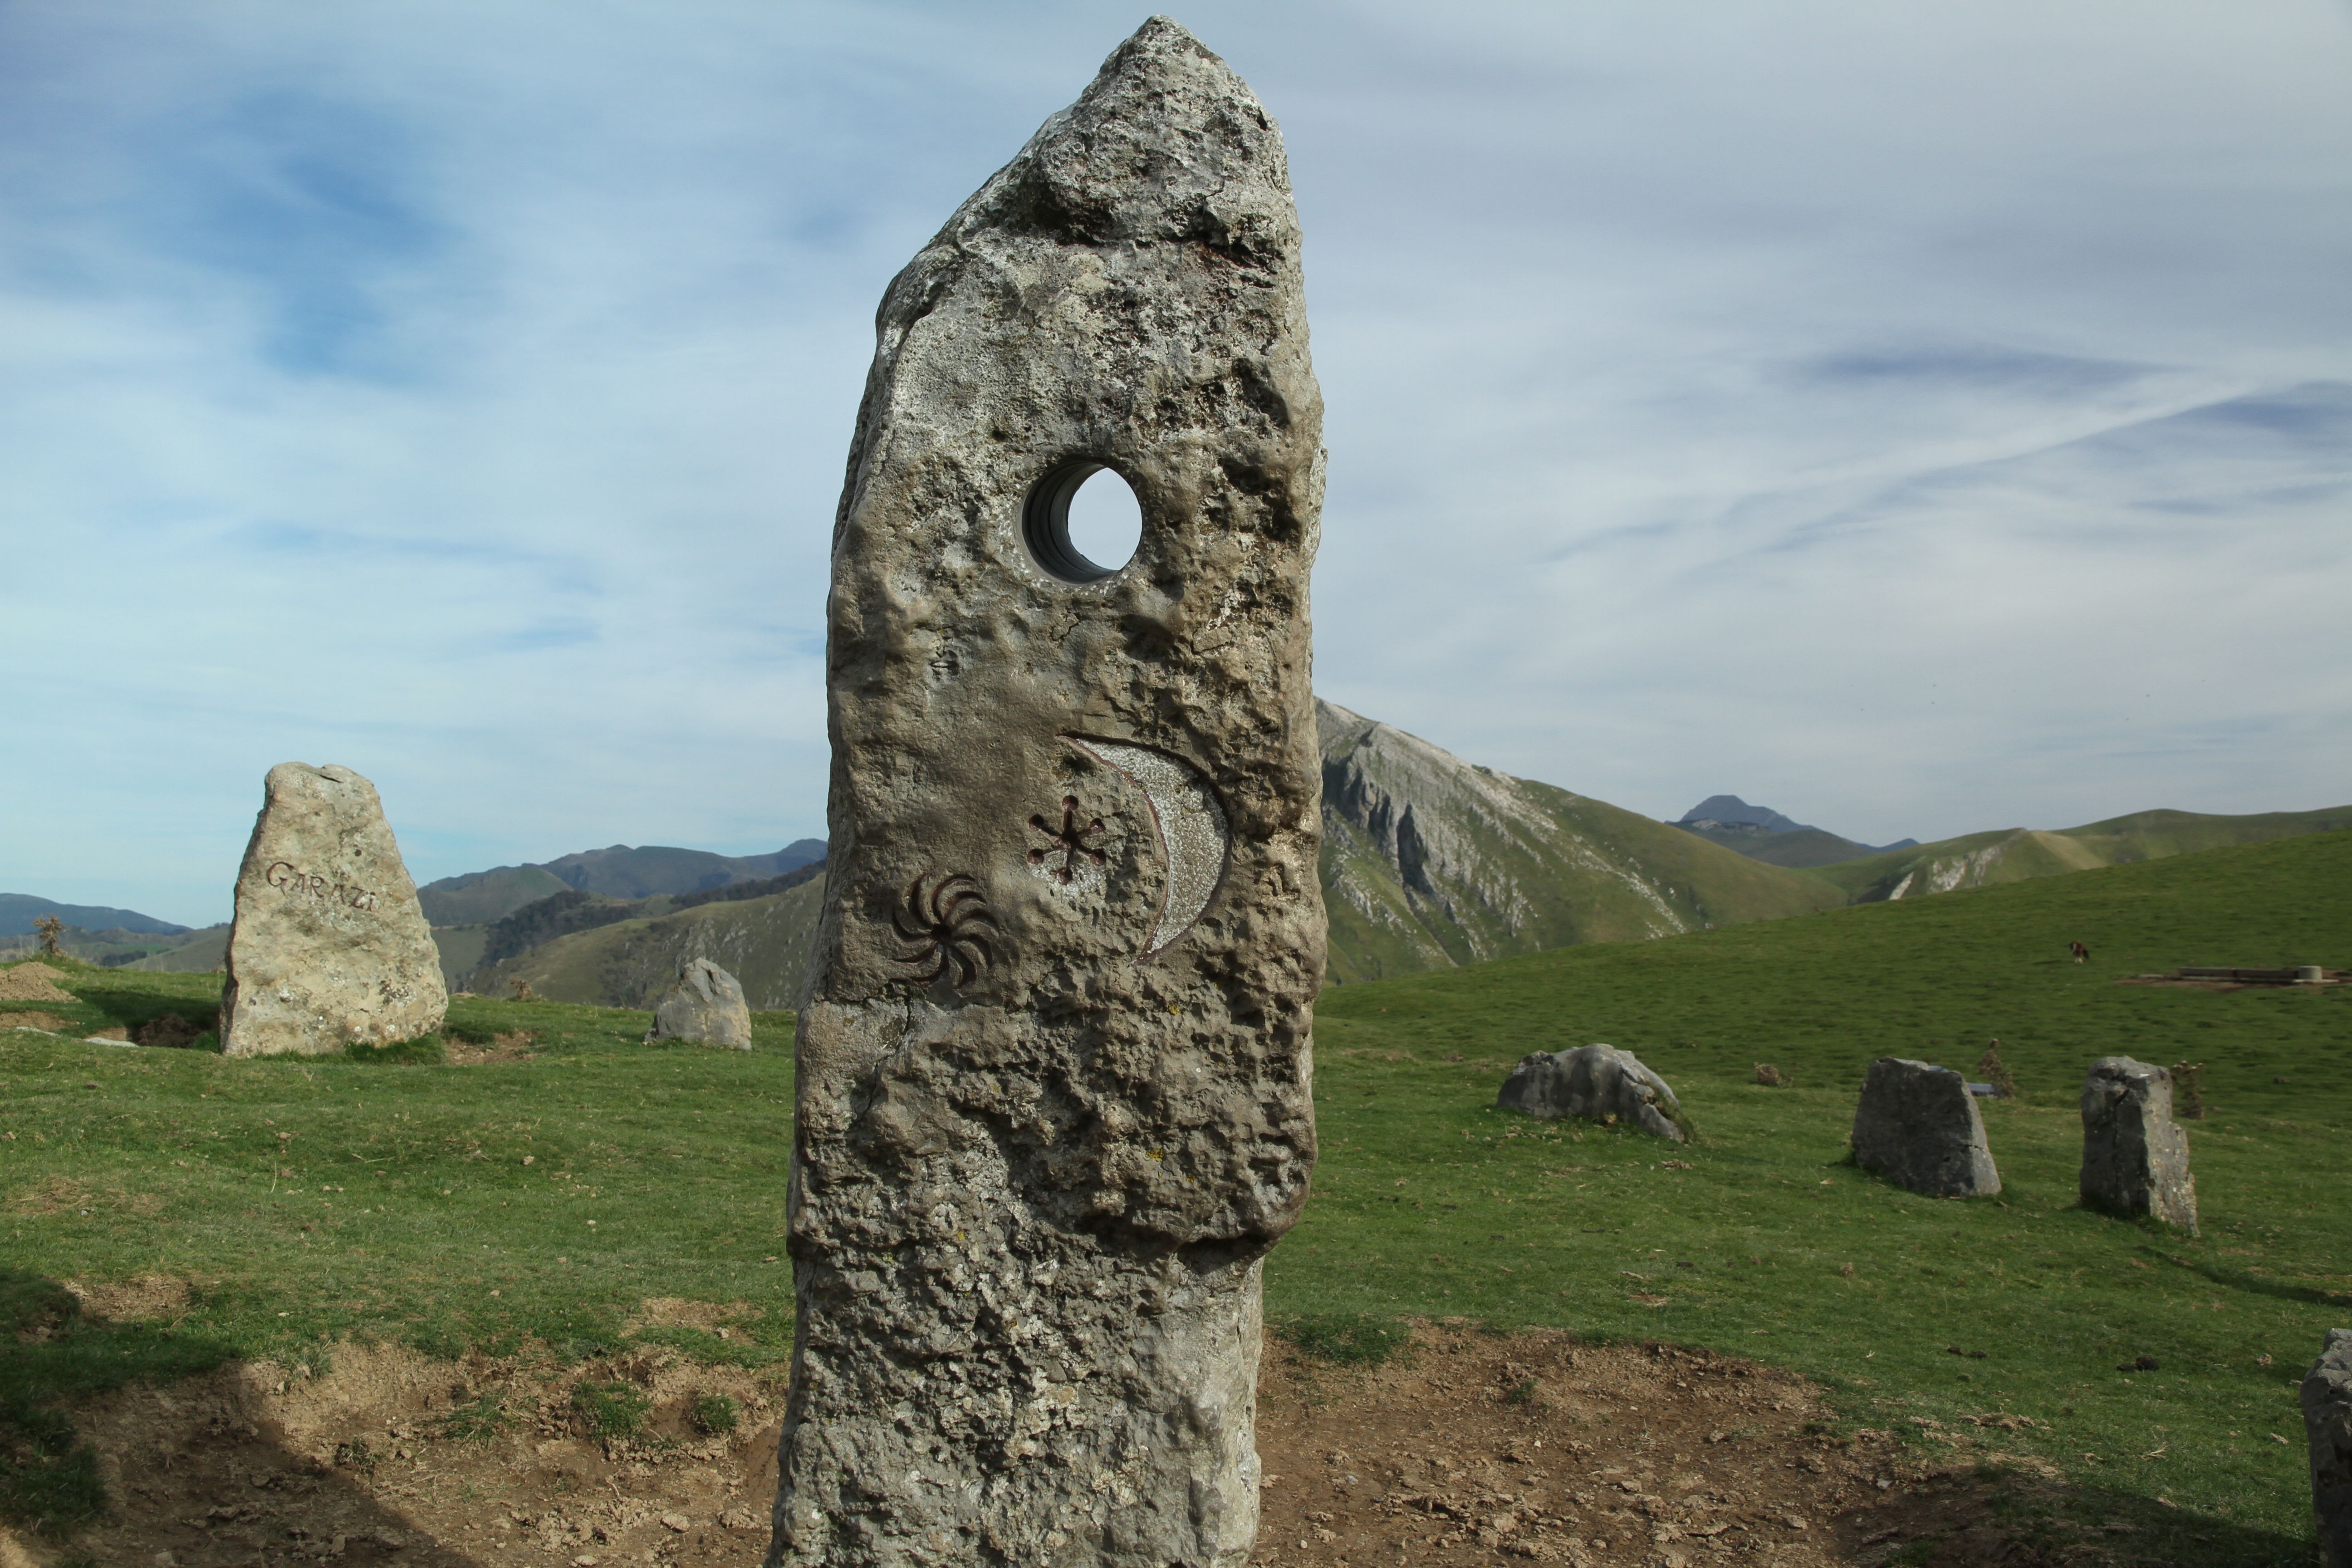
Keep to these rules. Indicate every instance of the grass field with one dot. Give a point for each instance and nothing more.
(541, 1200)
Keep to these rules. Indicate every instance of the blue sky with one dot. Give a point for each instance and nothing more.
(1918, 419)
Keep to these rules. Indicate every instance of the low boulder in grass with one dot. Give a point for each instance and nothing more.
(1597, 1083)
(706, 1006)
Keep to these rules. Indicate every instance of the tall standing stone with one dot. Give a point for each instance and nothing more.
(2326, 1397)
(328, 947)
(1054, 1093)
(2134, 1156)
(1918, 1126)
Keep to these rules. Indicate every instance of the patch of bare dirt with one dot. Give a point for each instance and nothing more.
(64, 1193)
(48, 1021)
(32, 981)
(1479, 1451)
(147, 1298)
(509, 1048)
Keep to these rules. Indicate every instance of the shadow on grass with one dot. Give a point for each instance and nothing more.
(209, 1488)
(2256, 1284)
(2005, 1515)
(48, 1477)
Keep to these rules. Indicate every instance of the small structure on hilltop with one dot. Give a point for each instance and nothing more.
(1053, 1078)
(704, 1007)
(2326, 1397)
(1596, 1083)
(1918, 1126)
(328, 947)
(2135, 1158)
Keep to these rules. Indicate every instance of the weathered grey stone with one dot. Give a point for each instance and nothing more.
(706, 1005)
(2134, 1157)
(1053, 1094)
(1599, 1083)
(1918, 1126)
(328, 947)
(2327, 1428)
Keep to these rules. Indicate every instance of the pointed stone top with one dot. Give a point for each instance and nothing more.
(1165, 145)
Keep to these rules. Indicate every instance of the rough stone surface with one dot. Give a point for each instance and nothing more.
(1054, 1075)
(1599, 1083)
(2327, 1427)
(2134, 1159)
(1918, 1126)
(328, 947)
(706, 1005)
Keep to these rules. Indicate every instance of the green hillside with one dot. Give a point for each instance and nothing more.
(202, 952)
(1798, 848)
(1428, 862)
(269, 1180)
(2020, 854)
(764, 943)
(1768, 1244)
(480, 896)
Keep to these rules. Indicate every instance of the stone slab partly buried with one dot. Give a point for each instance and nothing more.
(1918, 1126)
(1054, 1079)
(328, 947)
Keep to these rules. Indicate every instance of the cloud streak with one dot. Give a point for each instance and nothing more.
(1921, 422)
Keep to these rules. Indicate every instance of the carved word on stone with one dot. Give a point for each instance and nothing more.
(328, 947)
(1918, 1126)
(2134, 1157)
(1598, 1083)
(2327, 1428)
(1054, 1092)
(704, 1007)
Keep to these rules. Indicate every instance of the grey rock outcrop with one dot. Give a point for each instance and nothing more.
(706, 1006)
(2134, 1157)
(2326, 1397)
(1054, 1077)
(1918, 1126)
(328, 947)
(1598, 1083)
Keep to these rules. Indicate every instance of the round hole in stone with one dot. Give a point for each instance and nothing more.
(1083, 522)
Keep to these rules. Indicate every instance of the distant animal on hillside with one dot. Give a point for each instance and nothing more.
(2081, 954)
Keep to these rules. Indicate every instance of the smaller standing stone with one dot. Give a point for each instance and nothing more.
(328, 947)
(1918, 1126)
(2188, 1091)
(2327, 1428)
(2135, 1158)
(1599, 1083)
(706, 1006)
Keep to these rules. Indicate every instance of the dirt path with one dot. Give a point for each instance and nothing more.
(1475, 1450)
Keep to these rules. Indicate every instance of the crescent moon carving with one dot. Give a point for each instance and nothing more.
(1194, 834)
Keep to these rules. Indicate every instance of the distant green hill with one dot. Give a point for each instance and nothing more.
(764, 942)
(479, 897)
(1797, 849)
(2021, 854)
(202, 952)
(617, 872)
(19, 910)
(1430, 862)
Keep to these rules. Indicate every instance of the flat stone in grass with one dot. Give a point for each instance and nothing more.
(328, 947)
(1596, 1083)
(2327, 1428)
(1918, 1126)
(706, 1006)
(2135, 1158)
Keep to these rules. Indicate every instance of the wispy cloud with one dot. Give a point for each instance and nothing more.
(1920, 420)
